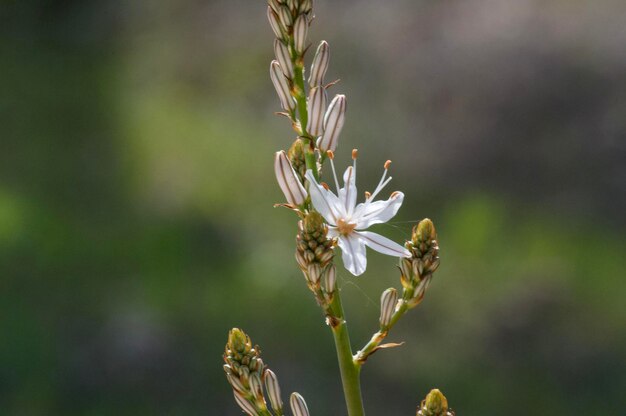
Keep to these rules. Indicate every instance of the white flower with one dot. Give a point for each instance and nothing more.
(347, 220)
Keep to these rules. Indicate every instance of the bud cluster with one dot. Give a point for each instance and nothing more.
(435, 404)
(314, 254)
(245, 370)
(248, 376)
(417, 271)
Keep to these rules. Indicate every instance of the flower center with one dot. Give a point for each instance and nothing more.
(344, 227)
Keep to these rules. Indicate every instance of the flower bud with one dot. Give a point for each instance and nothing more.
(333, 123)
(256, 388)
(285, 17)
(283, 58)
(306, 6)
(282, 86)
(300, 31)
(298, 405)
(319, 65)
(316, 106)
(235, 383)
(287, 180)
(245, 405)
(273, 390)
(435, 404)
(292, 4)
(313, 272)
(388, 302)
(330, 279)
(274, 4)
(272, 16)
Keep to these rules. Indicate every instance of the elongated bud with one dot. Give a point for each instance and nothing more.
(256, 388)
(330, 279)
(282, 86)
(298, 405)
(316, 106)
(283, 58)
(300, 31)
(236, 383)
(274, 4)
(285, 17)
(314, 272)
(275, 23)
(333, 123)
(292, 4)
(273, 390)
(245, 405)
(388, 302)
(306, 6)
(319, 65)
(288, 180)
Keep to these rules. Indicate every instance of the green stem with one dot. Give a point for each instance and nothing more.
(349, 369)
(379, 336)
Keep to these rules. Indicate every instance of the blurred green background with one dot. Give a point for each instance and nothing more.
(136, 193)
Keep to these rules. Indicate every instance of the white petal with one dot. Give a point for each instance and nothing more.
(382, 244)
(353, 253)
(324, 201)
(347, 194)
(378, 212)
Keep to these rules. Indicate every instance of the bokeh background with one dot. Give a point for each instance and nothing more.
(136, 193)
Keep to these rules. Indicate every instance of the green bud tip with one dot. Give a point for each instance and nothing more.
(424, 231)
(313, 222)
(239, 341)
(436, 403)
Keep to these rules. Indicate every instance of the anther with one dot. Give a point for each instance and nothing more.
(355, 153)
(331, 154)
(387, 163)
(325, 185)
(367, 194)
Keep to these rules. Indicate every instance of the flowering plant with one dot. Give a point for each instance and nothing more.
(328, 221)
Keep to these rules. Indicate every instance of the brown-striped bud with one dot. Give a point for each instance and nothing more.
(298, 405)
(333, 123)
(282, 56)
(256, 387)
(286, 18)
(388, 302)
(273, 390)
(288, 180)
(274, 20)
(300, 32)
(282, 86)
(245, 405)
(319, 65)
(316, 106)
(330, 279)
(306, 6)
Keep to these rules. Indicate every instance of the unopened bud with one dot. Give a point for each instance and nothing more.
(313, 272)
(238, 341)
(274, 4)
(283, 58)
(273, 390)
(435, 404)
(282, 86)
(388, 302)
(272, 16)
(285, 17)
(306, 6)
(319, 65)
(333, 123)
(292, 4)
(256, 388)
(298, 405)
(300, 31)
(330, 279)
(424, 231)
(316, 107)
(288, 180)
(245, 405)
(236, 383)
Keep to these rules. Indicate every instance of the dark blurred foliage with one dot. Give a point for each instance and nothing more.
(136, 192)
